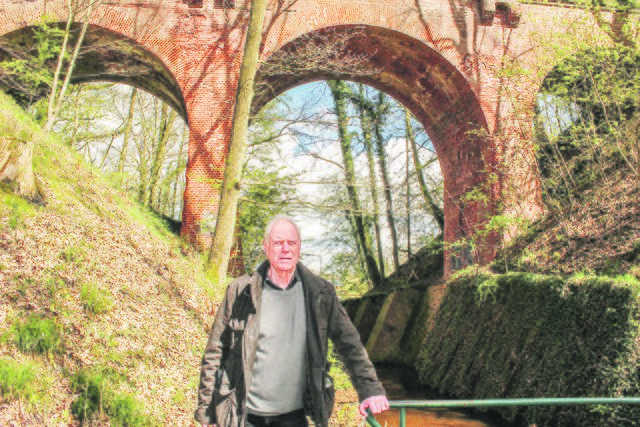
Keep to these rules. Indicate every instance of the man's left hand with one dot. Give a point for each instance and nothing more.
(377, 404)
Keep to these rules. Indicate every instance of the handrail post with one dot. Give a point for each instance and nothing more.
(403, 417)
(371, 419)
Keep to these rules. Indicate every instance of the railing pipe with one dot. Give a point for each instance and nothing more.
(490, 403)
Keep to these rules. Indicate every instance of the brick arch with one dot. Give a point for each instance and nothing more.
(421, 79)
(114, 57)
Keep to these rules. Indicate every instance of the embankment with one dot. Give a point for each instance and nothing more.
(526, 335)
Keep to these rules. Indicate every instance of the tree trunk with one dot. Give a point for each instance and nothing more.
(56, 99)
(143, 169)
(436, 211)
(106, 152)
(58, 71)
(76, 113)
(127, 130)
(354, 234)
(177, 172)
(338, 90)
(223, 236)
(16, 164)
(365, 121)
(408, 199)
(166, 124)
(377, 119)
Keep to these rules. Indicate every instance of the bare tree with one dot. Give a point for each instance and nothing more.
(378, 114)
(127, 130)
(166, 124)
(339, 92)
(57, 96)
(367, 136)
(430, 201)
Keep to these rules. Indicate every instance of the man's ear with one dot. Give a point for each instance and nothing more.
(264, 247)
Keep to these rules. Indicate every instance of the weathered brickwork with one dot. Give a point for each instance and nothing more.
(443, 59)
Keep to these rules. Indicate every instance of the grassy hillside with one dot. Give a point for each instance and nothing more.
(98, 301)
(601, 236)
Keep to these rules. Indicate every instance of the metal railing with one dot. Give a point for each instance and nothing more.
(403, 405)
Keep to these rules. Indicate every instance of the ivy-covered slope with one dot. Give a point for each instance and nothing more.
(525, 335)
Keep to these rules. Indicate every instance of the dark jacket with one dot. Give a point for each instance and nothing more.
(228, 359)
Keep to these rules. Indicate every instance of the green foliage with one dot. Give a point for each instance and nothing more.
(524, 335)
(587, 121)
(125, 411)
(17, 380)
(38, 335)
(73, 254)
(345, 273)
(338, 372)
(96, 398)
(32, 70)
(26, 381)
(95, 299)
(19, 209)
(91, 388)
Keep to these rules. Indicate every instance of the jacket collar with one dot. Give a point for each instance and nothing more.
(256, 283)
(313, 284)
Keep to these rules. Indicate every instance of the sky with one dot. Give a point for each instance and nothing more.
(310, 151)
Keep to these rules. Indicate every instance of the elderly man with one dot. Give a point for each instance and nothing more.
(265, 363)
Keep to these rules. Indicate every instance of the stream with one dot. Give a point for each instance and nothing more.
(401, 384)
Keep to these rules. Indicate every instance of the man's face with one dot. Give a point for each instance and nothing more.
(283, 247)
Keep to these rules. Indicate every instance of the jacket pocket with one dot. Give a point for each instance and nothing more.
(225, 401)
(329, 395)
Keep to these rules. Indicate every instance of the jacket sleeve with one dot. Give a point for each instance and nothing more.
(217, 342)
(347, 344)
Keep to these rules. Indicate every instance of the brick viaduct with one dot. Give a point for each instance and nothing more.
(469, 71)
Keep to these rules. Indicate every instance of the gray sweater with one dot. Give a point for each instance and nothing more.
(279, 376)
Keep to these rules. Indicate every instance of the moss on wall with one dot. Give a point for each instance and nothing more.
(388, 340)
(417, 328)
(524, 335)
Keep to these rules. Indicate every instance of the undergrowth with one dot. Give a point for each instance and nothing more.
(23, 380)
(37, 335)
(96, 399)
(95, 299)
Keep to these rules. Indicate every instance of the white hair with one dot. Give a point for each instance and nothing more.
(276, 219)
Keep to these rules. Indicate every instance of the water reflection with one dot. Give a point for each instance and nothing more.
(429, 418)
(401, 384)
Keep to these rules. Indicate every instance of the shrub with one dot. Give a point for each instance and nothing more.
(95, 299)
(125, 411)
(91, 390)
(38, 335)
(17, 380)
(25, 381)
(73, 254)
(95, 397)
